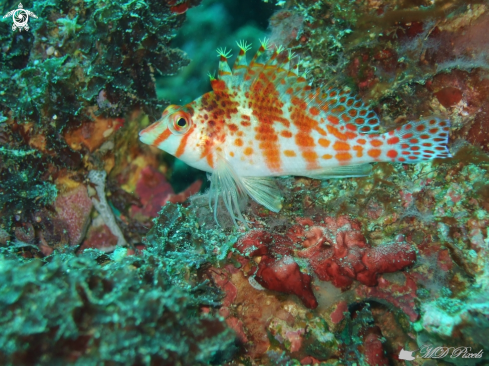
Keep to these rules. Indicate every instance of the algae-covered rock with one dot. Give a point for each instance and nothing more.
(114, 309)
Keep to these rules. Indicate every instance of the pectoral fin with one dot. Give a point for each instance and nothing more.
(264, 191)
(234, 191)
(225, 183)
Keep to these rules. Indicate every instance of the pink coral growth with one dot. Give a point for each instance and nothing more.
(74, 209)
(401, 295)
(154, 191)
(335, 249)
(277, 269)
(338, 252)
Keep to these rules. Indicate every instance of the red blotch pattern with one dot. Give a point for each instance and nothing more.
(335, 249)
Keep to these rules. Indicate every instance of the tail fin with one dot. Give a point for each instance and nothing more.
(419, 141)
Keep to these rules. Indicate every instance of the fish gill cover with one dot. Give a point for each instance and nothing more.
(349, 271)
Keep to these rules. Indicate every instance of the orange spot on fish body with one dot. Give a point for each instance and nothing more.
(327, 156)
(362, 141)
(341, 146)
(350, 135)
(210, 159)
(336, 133)
(376, 143)
(248, 151)
(286, 134)
(374, 153)
(333, 120)
(311, 159)
(290, 153)
(393, 140)
(359, 150)
(238, 142)
(320, 130)
(324, 142)
(314, 111)
(392, 154)
(304, 140)
(343, 157)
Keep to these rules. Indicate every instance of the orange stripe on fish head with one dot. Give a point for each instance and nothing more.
(174, 132)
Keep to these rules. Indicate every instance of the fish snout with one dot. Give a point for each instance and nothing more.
(145, 136)
(151, 133)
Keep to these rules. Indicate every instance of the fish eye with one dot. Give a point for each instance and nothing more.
(181, 123)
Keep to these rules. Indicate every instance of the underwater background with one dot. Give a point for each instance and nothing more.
(110, 254)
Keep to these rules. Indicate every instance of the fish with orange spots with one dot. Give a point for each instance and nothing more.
(263, 120)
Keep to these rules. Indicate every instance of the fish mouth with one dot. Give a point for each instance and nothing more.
(149, 134)
(144, 137)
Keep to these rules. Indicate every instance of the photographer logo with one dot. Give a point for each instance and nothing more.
(20, 17)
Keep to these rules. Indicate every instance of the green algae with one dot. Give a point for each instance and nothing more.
(95, 308)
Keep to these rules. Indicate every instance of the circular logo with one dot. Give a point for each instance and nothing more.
(20, 18)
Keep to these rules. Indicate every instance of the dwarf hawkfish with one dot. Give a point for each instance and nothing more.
(263, 120)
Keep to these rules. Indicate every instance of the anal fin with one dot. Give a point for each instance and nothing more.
(345, 171)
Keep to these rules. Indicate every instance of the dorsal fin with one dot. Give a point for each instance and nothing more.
(240, 65)
(267, 72)
(342, 106)
(225, 73)
(256, 65)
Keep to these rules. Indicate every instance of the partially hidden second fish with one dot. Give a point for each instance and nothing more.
(263, 120)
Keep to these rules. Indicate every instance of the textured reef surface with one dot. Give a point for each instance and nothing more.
(350, 272)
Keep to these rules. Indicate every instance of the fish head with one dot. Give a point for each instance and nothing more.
(178, 132)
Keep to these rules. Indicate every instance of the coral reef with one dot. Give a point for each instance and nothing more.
(350, 272)
(75, 90)
(117, 308)
(335, 250)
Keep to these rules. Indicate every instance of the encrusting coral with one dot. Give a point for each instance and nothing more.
(335, 250)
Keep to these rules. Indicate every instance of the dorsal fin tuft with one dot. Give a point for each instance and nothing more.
(225, 73)
(245, 47)
(265, 43)
(240, 65)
